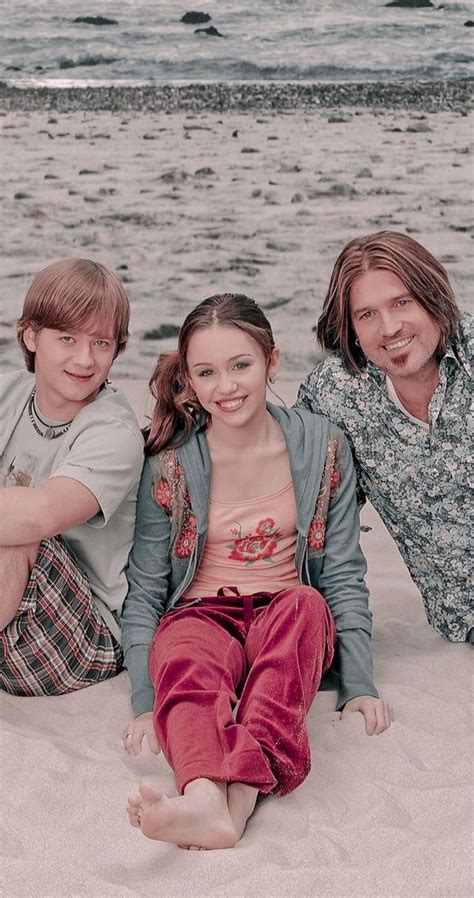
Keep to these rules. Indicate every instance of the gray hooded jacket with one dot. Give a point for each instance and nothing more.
(171, 530)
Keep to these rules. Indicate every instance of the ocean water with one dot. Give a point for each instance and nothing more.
(315, 40)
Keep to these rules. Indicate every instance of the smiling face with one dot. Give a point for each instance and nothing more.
(228, 372)
(70, 367)
(395, 333)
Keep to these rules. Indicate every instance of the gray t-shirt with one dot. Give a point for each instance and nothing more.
(103, 449)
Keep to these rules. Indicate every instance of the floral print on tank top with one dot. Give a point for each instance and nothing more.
(254, 546)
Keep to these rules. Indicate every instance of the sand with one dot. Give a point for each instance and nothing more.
(378, 817)
(258, 199)
(182, 205)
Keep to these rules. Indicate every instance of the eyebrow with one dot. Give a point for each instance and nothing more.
(75, 330)
(233, 358)
(97, 334)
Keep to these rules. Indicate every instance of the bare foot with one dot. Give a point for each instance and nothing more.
(200, 818)
(241, 803)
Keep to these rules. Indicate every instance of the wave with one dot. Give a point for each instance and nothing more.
(99, 59)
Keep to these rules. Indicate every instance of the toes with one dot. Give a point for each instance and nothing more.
(135, 801)
(149, 792)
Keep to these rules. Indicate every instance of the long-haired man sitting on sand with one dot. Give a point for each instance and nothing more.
(398, 383)
(71, 454)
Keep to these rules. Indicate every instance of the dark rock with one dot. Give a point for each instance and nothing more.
(22, 196)
(13, 68)
(469, 23)
(88, 171)
(204, 172)
(211, 30)
(235, 133)
(339, 117)
(174, 175)
(162, 332)
(249, 150)
(195, 18)
(415, 127)
(341, 189)
(277, 303)
(95, 20)
(288, 167)
(411, 4)
(122, 267)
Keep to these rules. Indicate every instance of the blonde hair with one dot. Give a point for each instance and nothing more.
(70, 293)
(423, 276)
(177, 409)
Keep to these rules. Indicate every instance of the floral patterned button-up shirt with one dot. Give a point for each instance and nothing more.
(419, 481)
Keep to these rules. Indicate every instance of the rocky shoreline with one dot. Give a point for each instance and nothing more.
(428, 96)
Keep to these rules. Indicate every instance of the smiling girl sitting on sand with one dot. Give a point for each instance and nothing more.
(246, 517)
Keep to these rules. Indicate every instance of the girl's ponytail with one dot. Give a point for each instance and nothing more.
(176, 407)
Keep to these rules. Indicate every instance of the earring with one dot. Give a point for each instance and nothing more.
(356, 341)
(271, 380)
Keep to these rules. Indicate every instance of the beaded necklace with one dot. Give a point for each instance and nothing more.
(53, 431)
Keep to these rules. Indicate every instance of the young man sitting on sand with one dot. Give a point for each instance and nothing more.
(74, 438)
(399, 386)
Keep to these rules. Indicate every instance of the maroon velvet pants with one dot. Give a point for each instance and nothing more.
(266, 651)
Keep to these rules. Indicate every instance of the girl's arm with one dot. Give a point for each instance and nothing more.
(342, 584)
(148, 572)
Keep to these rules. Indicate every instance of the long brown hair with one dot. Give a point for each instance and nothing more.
(70, 293)
(423, 276)
(176, 407)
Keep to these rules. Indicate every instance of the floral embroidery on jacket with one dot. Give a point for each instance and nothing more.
(169, 491)
(329, 485)
(255, 546)
(184, 545)
(316, 534)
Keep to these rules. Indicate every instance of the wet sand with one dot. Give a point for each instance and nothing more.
(191, 191)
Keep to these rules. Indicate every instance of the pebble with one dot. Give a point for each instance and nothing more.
(274, 97)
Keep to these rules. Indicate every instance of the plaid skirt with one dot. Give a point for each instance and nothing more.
(57, 642)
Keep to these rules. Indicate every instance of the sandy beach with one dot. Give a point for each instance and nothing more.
(201, 189)
(378, 817)
(188, 192)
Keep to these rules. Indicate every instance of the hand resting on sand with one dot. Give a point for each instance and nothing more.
(378, 714)
(135, 732)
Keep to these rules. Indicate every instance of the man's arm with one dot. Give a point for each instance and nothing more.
(318, 393)
(28, 515)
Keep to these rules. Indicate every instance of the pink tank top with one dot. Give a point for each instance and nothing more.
(250, 544)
